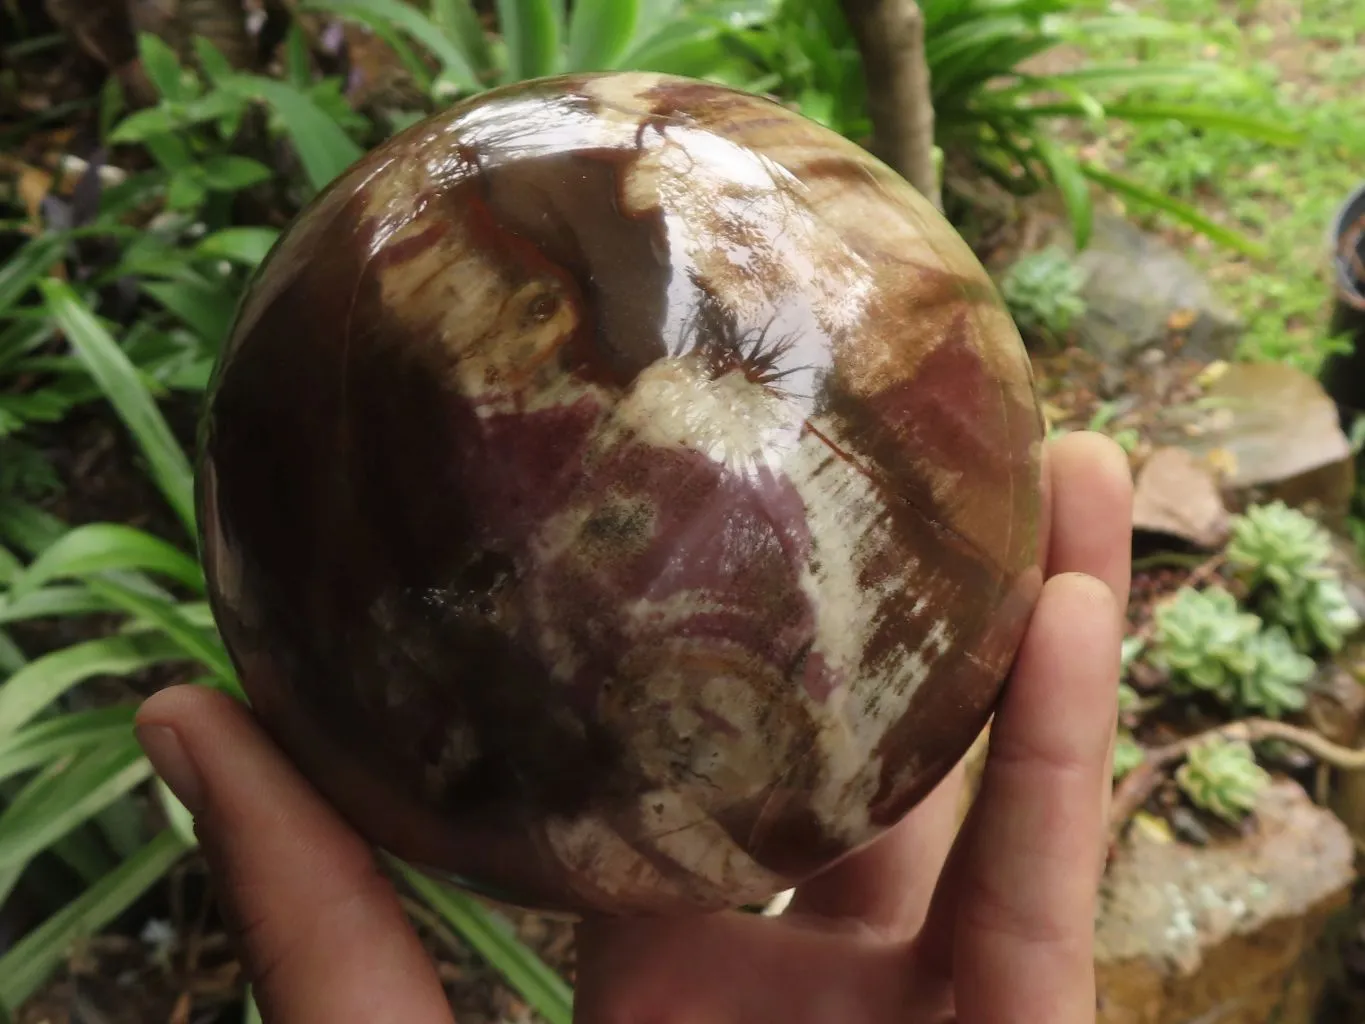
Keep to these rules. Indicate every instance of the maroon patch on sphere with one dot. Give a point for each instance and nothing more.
(949, 411)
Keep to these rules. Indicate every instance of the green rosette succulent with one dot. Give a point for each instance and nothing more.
(1283, 556)
(1319, 615)
(1279, 671)
(1278, 545)
(1204, 642)
(1222, 777)
(1043, 291)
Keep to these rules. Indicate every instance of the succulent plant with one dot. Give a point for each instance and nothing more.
(621, 494)
(1275, 682)
(1318, 615)
(1043, 291)
(1221, 776)
(1273, 543)
(1283, 556)
(1208, 643)
(1328, 614)
(1204, 640)
(1128, 754)
(1129, 651)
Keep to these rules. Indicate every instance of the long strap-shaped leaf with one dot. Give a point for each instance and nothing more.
(33, 959)
(102, 547)
(1182, 212)
(460, 23)
(66, 798)
(324, 149)
(523, 969)
(63, 735)
(600, 32)
(532, 30)
(23, 269)
(458, 64)
(200, 644)
(41, 681)
(119, 381)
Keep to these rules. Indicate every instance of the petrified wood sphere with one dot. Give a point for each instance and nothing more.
(620, 494)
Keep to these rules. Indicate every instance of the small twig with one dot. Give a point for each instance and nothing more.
(890, 37)
(1203, 572)
(1132, 792)
(1164, 559)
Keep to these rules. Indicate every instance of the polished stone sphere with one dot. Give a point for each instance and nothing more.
(621, 495)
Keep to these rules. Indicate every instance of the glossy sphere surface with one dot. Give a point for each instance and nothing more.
(621, 494)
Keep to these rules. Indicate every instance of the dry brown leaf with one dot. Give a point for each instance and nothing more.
(1182, 319)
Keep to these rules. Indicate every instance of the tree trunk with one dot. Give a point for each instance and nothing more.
(890, 37)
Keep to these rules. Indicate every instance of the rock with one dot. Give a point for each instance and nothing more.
(1336, 705)
(1269, 431)
(1177, 494)
(1226, 932)
(1140, 292)
(1345, 559)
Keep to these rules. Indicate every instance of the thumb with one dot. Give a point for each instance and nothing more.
(321, 931)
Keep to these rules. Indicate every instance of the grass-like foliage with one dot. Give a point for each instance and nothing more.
(1000, 116)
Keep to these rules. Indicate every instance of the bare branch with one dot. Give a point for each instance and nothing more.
(1132, 792)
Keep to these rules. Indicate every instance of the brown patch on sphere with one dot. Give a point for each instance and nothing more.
(621, 494)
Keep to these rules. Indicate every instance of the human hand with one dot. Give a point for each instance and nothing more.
(995, 927)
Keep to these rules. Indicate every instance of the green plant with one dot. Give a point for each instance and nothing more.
(535, 38)
(1208, 644)
(1203, 640)
(1282, 197)
(74, 774)
(991, 111)
(74, 787)
(1221, 776)
(1128, 754)
(1043, 292)
(1275, 680)
(201, 116)
(168, 231)
(1284, 558)
(1277, 545)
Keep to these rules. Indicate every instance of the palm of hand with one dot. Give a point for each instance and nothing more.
(992, 922)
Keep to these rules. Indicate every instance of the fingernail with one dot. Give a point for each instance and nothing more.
(167, 754)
